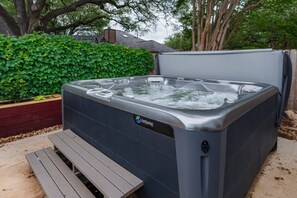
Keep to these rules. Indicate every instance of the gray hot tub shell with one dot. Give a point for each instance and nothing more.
(207, 153)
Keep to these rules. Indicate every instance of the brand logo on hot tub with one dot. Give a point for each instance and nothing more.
(153, 125)
(140, 120)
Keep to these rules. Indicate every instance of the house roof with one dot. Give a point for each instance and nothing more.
(4, 29)
(154, 46)
(86, 38)
(130, 40)
(126, 39)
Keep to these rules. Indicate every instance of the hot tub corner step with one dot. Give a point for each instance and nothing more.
(111, 179)
(56, 179)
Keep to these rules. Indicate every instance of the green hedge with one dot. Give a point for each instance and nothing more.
(36, 64)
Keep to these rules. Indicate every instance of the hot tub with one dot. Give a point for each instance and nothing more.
(184, 137)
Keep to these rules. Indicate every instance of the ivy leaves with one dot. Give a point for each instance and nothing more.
(39, 64)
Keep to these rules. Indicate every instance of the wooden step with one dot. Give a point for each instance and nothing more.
(107, 176)
(56, 179)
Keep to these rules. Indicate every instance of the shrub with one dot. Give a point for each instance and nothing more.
(37, 64)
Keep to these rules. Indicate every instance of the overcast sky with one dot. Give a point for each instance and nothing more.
(158, 35)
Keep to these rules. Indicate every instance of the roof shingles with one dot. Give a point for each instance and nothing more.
(132, 41)
(126, 39)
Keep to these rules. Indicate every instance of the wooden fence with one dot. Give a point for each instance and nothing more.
(292, 103)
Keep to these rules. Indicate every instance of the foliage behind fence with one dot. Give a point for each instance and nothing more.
(39, 64)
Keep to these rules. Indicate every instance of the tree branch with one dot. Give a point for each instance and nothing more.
(246, 9)
(9, 20)
(249, 7)
(29, 5)
(75, 24)
(34, 12)
(73, 6)
(38, 6)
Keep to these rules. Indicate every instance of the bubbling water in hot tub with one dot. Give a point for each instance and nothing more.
(179, 98)
(177, 94)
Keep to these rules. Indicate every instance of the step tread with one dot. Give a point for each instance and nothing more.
(111, 179)
(56, 179)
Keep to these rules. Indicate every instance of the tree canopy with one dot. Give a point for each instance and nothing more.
(75, 16)
(273, 25)
(209, 20)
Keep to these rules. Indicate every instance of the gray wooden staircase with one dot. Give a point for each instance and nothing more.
(61, 180)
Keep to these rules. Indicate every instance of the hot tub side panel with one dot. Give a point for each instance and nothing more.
(249, 141)
(231, 159)
(147, 154)
(201, 163)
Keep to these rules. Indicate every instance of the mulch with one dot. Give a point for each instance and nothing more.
(288, 128)
(25, 135)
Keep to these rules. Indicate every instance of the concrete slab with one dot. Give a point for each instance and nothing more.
(16, 180)
(277, 179)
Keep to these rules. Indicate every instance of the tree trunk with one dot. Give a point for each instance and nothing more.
(205, 33)
(193, 25)
(34, 11)
(213, 21)
(200, 39)
(11, 23)
(225, 11)
(21, 15)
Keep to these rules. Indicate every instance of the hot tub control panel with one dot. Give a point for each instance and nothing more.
(205, 146)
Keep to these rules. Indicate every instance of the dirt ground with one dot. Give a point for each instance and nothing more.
(288, 127)
(277, 179)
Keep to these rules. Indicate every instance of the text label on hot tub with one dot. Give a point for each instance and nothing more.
(154, 125)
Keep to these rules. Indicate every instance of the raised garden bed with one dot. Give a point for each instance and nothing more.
(31, 115)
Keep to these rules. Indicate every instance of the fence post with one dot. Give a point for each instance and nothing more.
(292, 103)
